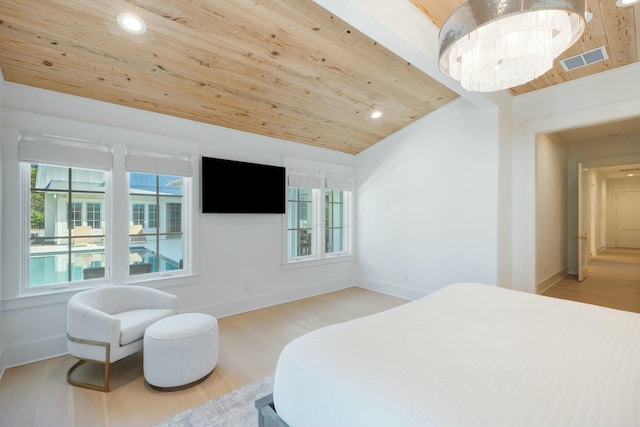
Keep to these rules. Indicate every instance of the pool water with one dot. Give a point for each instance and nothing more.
(47, 269)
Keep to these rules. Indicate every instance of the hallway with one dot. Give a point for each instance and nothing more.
(613, 280)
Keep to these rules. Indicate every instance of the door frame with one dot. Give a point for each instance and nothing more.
(615, 212)
(584, 221)
(524, 209)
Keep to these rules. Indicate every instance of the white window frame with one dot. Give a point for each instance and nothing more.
(315, 228)
(321, 172)
(38, 149)
(156, 231)
(346, 227)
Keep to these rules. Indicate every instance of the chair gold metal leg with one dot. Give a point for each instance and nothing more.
(106, 363)
(89, 386)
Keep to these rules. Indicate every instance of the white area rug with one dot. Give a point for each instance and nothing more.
(236, 409)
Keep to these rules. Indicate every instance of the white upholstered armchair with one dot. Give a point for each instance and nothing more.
(107, 324)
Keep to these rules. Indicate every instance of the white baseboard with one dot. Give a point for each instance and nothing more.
(230, 308)
(35, 351)
(551, 280)
(392, 289)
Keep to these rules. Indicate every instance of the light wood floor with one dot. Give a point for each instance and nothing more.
(250, 343)
(613, 280)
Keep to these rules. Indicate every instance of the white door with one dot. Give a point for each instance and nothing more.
(627, 219)
(583, 223)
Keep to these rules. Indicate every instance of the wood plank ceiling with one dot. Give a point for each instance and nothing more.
(282, 68)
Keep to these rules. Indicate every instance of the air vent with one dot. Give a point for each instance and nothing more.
(630, 170)
(584, 59)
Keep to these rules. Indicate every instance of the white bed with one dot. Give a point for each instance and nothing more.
(467, 355)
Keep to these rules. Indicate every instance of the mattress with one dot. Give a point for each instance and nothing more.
(467, 355)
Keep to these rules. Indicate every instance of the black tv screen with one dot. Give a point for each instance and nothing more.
(230, 186)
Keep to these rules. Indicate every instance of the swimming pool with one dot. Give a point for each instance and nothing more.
(50, 268)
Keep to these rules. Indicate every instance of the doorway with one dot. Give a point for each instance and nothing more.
(526, 226)
(606, 179)
(608, 210)
(608, 204)
(626, 217)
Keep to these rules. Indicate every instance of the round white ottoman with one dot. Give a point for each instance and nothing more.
(180, 351)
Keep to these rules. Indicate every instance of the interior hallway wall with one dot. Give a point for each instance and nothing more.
(551, 211)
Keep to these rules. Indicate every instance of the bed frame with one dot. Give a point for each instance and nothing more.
(267, 415)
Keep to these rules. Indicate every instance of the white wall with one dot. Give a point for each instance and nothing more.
(598, 213)
(403, 29)
(428, 203)
(551, 211)
(239, 256)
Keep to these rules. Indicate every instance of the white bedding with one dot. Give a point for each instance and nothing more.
(467, 355)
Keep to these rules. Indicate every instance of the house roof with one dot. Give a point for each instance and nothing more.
(57, 178)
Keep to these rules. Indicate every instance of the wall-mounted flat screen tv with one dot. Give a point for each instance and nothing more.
(230, 186)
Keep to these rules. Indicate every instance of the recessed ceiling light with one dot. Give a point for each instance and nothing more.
(629, 174)
(131, 23)
(624, 3)
(376, 114)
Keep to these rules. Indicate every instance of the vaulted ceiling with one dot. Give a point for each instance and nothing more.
(288, 69)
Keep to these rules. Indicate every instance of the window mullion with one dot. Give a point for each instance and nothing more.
(321, 220)
(70, 221)
(119, 230)
(157, 199)
(318, 217)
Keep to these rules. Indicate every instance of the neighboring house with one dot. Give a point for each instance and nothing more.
(60, 215)
(87, 206)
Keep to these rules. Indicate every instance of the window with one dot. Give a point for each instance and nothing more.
(153, 216)
(300, 220)
(158, 248)
(93, 215)
(75, 212)
(76, 215)
(174, 215)
(334, 221)
(138, 214)
(317, 227)
(60, 246)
